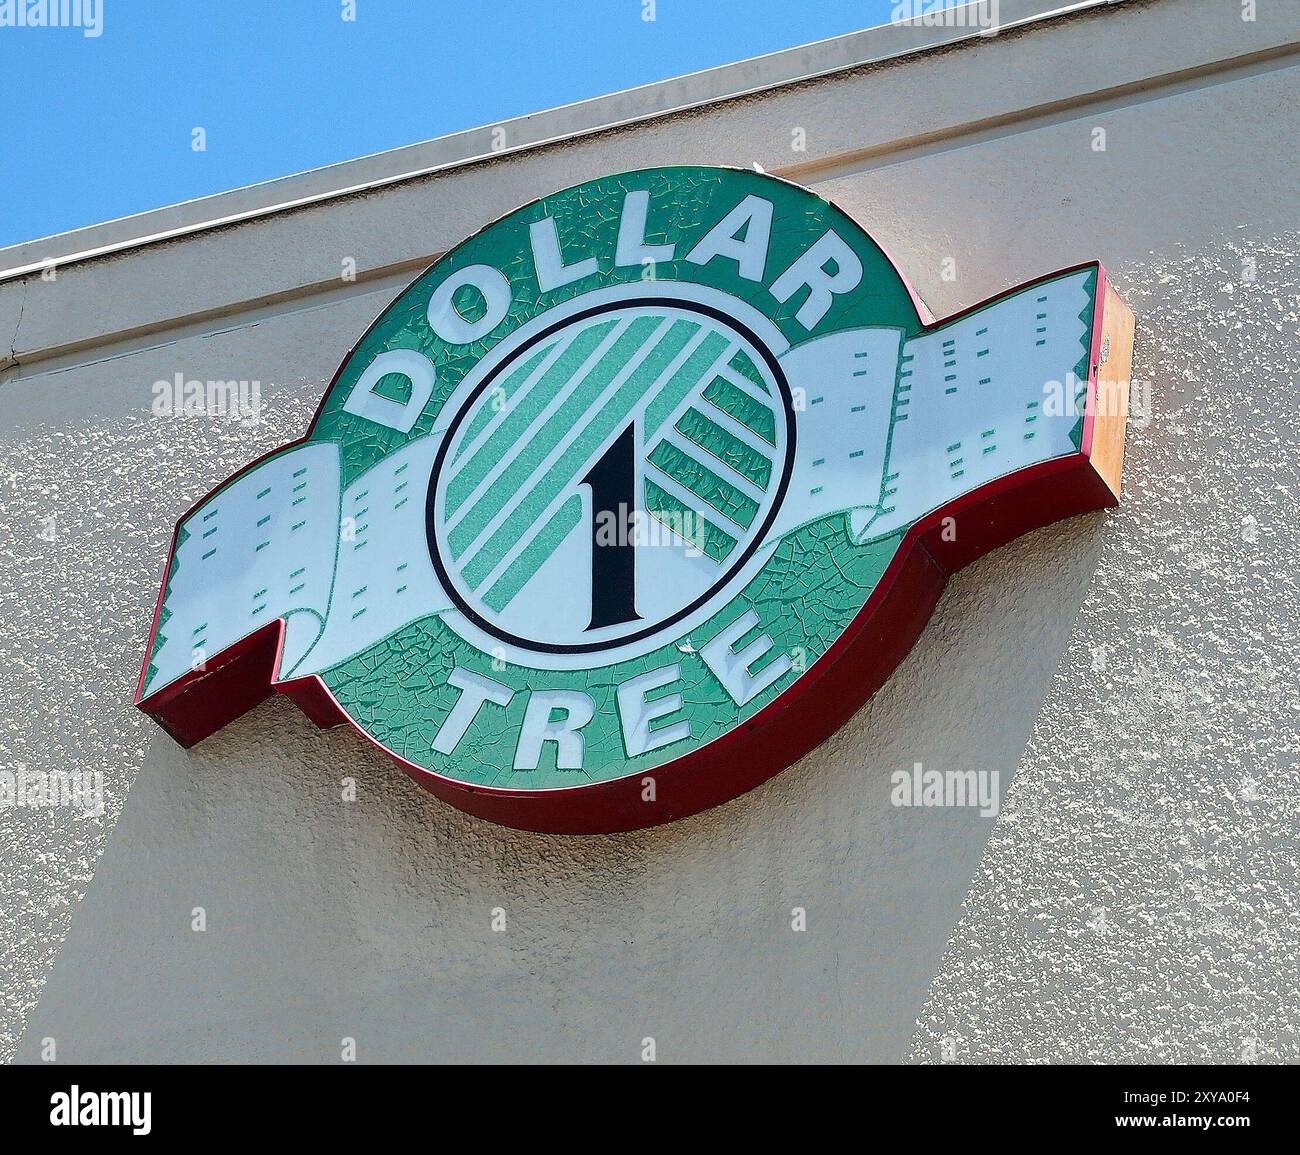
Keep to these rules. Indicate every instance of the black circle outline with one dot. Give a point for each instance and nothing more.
(632, 303)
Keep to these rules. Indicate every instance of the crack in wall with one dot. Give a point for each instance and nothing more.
(11, 360)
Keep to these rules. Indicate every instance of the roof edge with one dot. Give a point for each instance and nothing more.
(533, 130)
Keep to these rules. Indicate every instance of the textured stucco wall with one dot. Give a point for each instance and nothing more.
(1131, 675)
(1137, 898)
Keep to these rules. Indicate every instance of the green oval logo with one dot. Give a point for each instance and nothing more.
(604, 494)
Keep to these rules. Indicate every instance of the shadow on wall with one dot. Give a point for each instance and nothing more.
(1139, 902)
(372, 920)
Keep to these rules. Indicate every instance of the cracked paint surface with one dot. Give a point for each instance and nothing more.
(398, 690)
(393, 672)
(396, 687)
(684, 203)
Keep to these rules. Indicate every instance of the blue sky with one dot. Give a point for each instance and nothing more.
(95, 128)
